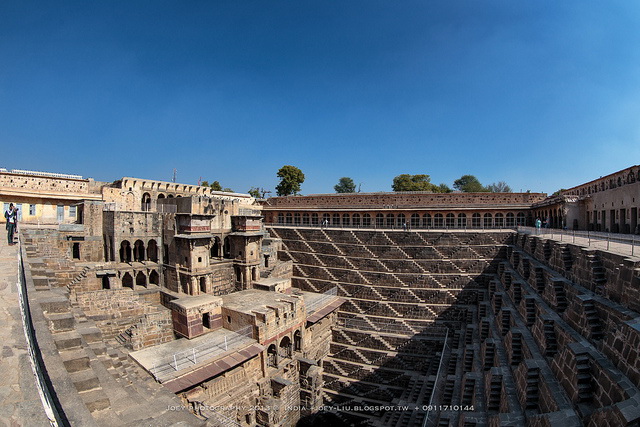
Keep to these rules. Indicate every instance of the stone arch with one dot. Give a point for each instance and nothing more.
(390, 220)
(415, 220)
(215, 248)
(297, 341)
(227, 248)
(401, 221)
(355, 220)
(272, 356)
(305, 219)
(127, 281)
(314, 219)
(154, 278)
(346, 219)
(438, 221)
(296, 218)
(366, 220)
(152, 250)
(146, 202)
(475, 220)
(280, 218)
(138, 250)
(462, 220)
(285, 347)
(450, 220)
(336, 219)
(427, 221)
(488, 220)
(511, 219)
(379, 220)
(521, 219)
(289, 218)
(499, 220)
(125, 251)
(141, 279)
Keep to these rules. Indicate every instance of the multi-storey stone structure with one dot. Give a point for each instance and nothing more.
(383, 309)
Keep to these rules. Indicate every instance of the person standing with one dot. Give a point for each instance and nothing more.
(11, 216)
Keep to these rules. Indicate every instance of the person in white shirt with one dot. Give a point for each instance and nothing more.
(11, 216)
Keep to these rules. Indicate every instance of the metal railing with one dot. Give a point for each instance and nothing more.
(50, 403)
(187, 358)
(408, 227)
(614, 242)
(328, 295)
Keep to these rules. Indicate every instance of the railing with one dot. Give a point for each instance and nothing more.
(48, 397)
(435, 384)
(615, 242)
(408, 227)
(186, 358)
(327, 296)
(249, 212)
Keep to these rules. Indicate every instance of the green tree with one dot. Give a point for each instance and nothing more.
(290, 179)
(469, 184)
(215, 186)
(227, 190)
(406, 182)
(557, 193)
(254, 192)
(499, 187)
(345, 185)
(444, 188)
(205, 183)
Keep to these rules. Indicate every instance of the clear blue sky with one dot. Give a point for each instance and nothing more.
(540, 94)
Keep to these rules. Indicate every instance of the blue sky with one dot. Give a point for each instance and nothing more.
(542, 94)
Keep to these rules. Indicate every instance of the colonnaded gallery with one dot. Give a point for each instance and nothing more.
(158, 303)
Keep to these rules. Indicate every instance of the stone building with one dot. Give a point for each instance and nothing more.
(415, 209)
(161, 295)
(610, 203)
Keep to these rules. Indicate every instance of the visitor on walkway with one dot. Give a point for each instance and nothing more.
(538, 225)
(11, 215)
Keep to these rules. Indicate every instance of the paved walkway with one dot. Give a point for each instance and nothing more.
(20, 403)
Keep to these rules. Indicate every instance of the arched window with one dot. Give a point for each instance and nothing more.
(146, 202)
(152, 251)
(336, 219)
(289, 218)
(356, 220)
(366, 220)
(511, 220)
(326, 218)
(138, 250)
(127, 281)
(125, 251)
(280, 218)
(438, 221)
(297, 341)
(499, 222)
(462, 220)
(401, 221)
(314, 219)
(426, 221)
(154, 278)
(346, 220)
(285, 347)
(227, 248)
(475, 220)
(450, 220)
(415, 220)
(488, 220)
(379, 220)
(521, 219)
(215, 248)
(305, 219)
(141, 279)
(390, 219)
(272, 356)
(296, 218)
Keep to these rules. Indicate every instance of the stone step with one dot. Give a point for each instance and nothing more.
(85, 380)
(75, 360)
(54, 304)
(61, 322)
(95, 400)
(90, 333)
(67, 340)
